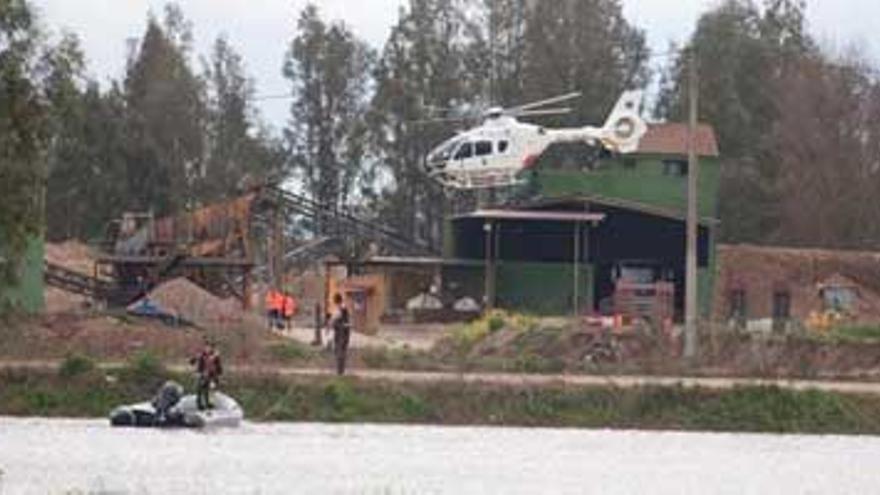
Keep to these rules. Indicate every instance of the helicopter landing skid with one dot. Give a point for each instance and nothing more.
(484, 179)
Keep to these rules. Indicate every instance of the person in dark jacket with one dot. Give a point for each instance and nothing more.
(209, 367)
(340, 323)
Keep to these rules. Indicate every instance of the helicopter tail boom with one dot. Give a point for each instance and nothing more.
(622, 132)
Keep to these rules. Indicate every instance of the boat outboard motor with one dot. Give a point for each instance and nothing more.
(167, 397)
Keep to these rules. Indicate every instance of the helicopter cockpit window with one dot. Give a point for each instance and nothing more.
(465, 151)
(445, 152)
(483, 148)
(502, 146)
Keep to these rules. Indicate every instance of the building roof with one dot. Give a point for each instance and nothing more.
(408, 262)
(533, 215)
(624, 204)
(672, 139)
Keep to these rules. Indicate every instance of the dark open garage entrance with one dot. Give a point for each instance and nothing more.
(537, 259)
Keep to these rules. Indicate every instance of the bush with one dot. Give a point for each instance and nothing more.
(495, 323)
(290, 351)
(340, 400)
(530, 362)
(466, 336)
(75, 365)
(146, 366)
(413, 406)
(858, 333)
(403, 358)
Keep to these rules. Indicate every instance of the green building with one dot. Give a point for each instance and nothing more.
(26, 291)
(581, 227)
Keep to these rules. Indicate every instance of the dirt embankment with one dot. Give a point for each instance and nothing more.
(502, 343)
(117, 337)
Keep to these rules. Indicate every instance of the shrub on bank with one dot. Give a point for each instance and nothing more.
(145, 368)
(290, 352)
(857, 333)
(466, 336)
(75, 365)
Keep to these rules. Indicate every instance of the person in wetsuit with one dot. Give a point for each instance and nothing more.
(209, 367)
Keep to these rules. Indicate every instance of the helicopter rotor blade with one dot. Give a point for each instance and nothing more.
(548, 111)
(447, 120)
(549, 101)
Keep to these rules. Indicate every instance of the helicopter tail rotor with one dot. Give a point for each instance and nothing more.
(625, 127)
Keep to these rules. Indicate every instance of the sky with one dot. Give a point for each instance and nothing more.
(261, 29)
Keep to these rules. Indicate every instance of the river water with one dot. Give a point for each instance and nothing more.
(40, 456)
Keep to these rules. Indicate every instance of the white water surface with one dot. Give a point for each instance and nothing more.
(60, 456)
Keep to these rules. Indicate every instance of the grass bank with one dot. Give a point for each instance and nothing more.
(79, 390)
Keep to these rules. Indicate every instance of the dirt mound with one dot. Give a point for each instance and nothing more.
(184, 299)
(73, 255)
(59, 301)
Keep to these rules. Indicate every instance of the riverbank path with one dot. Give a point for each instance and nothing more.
(515, 379)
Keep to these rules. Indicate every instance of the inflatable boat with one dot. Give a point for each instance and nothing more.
(170, 408)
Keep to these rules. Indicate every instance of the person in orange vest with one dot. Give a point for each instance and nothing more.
(270, 312)
(279, 309)
(275, 308)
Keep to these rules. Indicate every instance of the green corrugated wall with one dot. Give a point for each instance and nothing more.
(645, 183)
(542, 288)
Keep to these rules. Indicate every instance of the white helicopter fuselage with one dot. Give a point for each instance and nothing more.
(497, 152)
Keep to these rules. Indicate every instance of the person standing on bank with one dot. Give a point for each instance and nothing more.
(209, 368)
(340, 323)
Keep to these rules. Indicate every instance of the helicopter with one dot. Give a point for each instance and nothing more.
(495, 153)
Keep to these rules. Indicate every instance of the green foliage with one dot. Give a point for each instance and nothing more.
(146, 367)
(163, 138)
(75, 365)
(290, 351)
(466, 336)
(773, 97)
(495, 323)
(529, 362)
(23, 135)
(340, 401)
(328, 68)
(239, 147)
(856, 333)
(397, 358)
(164, 111)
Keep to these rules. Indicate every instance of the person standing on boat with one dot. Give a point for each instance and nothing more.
(209, 367)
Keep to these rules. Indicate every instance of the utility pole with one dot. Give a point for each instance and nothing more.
(690, 333)
(576, 267)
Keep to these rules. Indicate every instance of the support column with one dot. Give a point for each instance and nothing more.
(489, 274)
